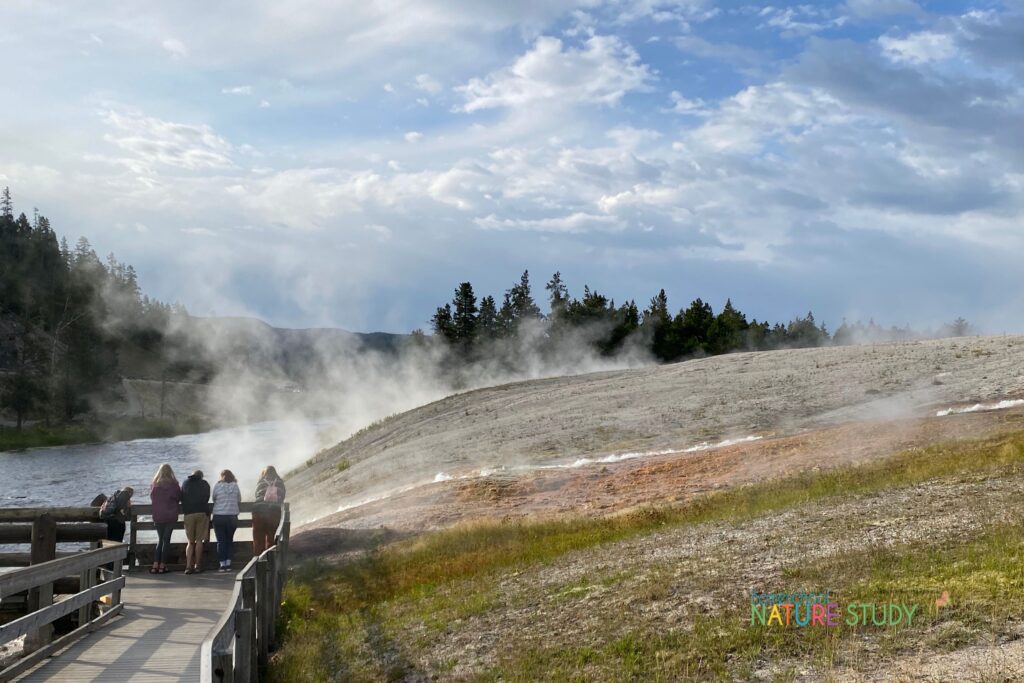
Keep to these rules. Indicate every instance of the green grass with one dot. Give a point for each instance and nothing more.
(327, 609)
(984, 578)
(123, 429)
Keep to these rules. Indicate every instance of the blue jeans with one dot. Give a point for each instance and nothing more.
(163, 541)
(224, 526)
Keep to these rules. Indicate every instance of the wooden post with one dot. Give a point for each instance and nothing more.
(115, 598)
(44, 549)
(223, 669)
(249, 604)
(262, 613)
(244, 649)
(132, 539)
(87, 580)
(272, 597)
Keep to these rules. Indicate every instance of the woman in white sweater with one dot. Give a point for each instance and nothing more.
(226, 499)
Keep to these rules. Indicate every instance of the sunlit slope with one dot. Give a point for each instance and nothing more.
(662, 407)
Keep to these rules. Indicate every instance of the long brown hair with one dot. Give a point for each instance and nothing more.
(227, 475)
(269, 473)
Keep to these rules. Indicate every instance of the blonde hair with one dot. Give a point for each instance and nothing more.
(164, 473)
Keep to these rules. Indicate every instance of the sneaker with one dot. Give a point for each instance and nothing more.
(190, 571)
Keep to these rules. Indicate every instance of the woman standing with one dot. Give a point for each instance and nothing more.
(164, 493)
(226, 500)
(266, 512)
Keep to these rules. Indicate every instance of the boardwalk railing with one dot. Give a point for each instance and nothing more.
(142, 553)
(239, 645)
(38, 580)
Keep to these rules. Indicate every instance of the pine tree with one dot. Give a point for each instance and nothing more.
(487, 319)
(657, 324)
(693, 326)
(558, 296)
(464, 317)
(523, 305)
(442, 323)
(6, 206)
(726, 333)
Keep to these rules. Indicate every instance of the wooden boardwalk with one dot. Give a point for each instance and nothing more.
(157, 637)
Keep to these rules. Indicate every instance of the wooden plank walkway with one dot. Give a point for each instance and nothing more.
(157, 638)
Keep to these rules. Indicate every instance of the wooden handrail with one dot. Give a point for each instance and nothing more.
(47, 572)
(38, 579)
(61, 514)
(240, 641)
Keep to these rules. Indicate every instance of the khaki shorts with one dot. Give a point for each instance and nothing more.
(197, 526)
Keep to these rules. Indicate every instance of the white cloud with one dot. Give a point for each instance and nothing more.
(682, 11)
(602, 71)
(152, 141)
(199, 232)
(744, 122)
(413, 136)
(799, 21)
(428, 83)
(577, 222)
(918, 48)
(382, 231)
(872, 9)
(264, 104)
(684, 105)
(237, 90)
(175, 47)
(389, 88)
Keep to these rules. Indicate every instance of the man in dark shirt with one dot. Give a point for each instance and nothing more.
(195, 504)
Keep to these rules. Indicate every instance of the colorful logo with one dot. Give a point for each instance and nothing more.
(801, 610)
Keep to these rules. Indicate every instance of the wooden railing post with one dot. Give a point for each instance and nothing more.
(263, 611)
(273, 599)
(133, 538)
(115, 597)
(249, 604)
(44, 549)
(87, 580)
(223, 668)
(244, 649)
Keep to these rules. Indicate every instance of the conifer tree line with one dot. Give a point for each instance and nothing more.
(470, 327)
(69, 322)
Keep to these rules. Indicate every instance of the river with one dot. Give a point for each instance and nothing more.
(73, 475)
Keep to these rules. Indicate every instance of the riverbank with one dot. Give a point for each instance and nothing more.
(120, 429)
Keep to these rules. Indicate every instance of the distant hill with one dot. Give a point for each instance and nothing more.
(295, 353)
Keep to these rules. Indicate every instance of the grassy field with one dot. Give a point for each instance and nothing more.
(123, 429)
(378, 617)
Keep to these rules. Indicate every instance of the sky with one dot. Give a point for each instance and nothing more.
(320, 163)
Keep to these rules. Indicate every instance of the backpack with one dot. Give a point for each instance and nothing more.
(111, 507)
(273, 493)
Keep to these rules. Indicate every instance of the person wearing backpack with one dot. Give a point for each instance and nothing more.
(195, 506)
(164, 493)
(266, 511)
(115, 511)
(227, 498)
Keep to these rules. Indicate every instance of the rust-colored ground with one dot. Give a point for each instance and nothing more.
(602, 489)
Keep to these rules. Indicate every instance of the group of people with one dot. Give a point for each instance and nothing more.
(194, 497)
